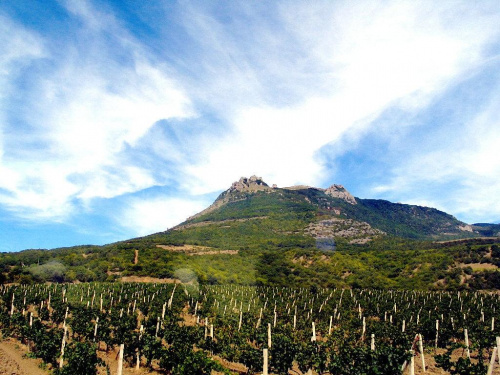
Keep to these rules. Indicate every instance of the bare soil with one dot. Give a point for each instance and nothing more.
(147, 279)
(196, 250)
(479, 266)
(430, 363)
(14, 362)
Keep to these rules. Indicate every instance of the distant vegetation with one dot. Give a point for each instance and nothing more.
(388, 262)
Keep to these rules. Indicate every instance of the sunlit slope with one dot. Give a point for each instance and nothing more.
(266, 218)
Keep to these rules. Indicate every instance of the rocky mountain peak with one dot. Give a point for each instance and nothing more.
(253, 183)
(244, 184)
(338, 191)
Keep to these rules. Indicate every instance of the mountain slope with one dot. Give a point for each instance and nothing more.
(259, 234)
(325, 213)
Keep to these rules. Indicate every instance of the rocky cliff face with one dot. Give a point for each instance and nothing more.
(354, 231)
(251, 184)
(243, 185)
(338, 191)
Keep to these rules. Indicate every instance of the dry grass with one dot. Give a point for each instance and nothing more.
(196, 250)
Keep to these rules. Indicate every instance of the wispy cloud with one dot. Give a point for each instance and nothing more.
(191, 96)
(85, 103)
(366, 59)
(146, 216)
(463, 162)
(17, 50)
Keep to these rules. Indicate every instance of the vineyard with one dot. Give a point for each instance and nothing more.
(229, 329)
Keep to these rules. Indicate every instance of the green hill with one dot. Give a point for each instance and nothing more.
(257, 234)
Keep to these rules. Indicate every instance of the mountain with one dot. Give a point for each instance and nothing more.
(331, 213)
(488, 230)
(255, 233)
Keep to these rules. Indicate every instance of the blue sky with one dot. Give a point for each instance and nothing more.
(123, 118)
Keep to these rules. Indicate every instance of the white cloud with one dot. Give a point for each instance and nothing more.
(115, 182)
(282, 87)
(85, 107)
(146, 216)
(36, 191)
(278, 144)
(96, 124)
(466, 165)
(372, 57)
(17, 50)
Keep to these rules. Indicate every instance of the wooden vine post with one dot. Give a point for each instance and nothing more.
(163, 312)
(492, 361)
(138, 359)
(171, 297)
(63, 344)
(412, 363)
(421, 349)
(266, 360)
(269, 335)
(466, 336)
(120, 360)
(95, 327)
(498, 346)
(12, 305)
(364, 330)
(65, 317)
(437, 334)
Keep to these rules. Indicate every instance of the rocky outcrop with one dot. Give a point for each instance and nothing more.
(299, 187)
(352, 230)
(338, 191)
(243, 185)
(251, 184)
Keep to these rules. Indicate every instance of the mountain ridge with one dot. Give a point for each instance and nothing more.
(408, 221)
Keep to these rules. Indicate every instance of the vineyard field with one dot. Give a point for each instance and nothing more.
(228, 329)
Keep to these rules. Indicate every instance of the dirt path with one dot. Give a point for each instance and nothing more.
(12, 361)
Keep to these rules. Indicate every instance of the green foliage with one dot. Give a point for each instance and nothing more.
(251, 358)
(283, 352)
(81, 321)
(405, 221)
(151, 348)
(462, 366)
(80, 359)
(312, 355)
(51, 271)
(47, 343)
(363, 361)
(181, 359)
